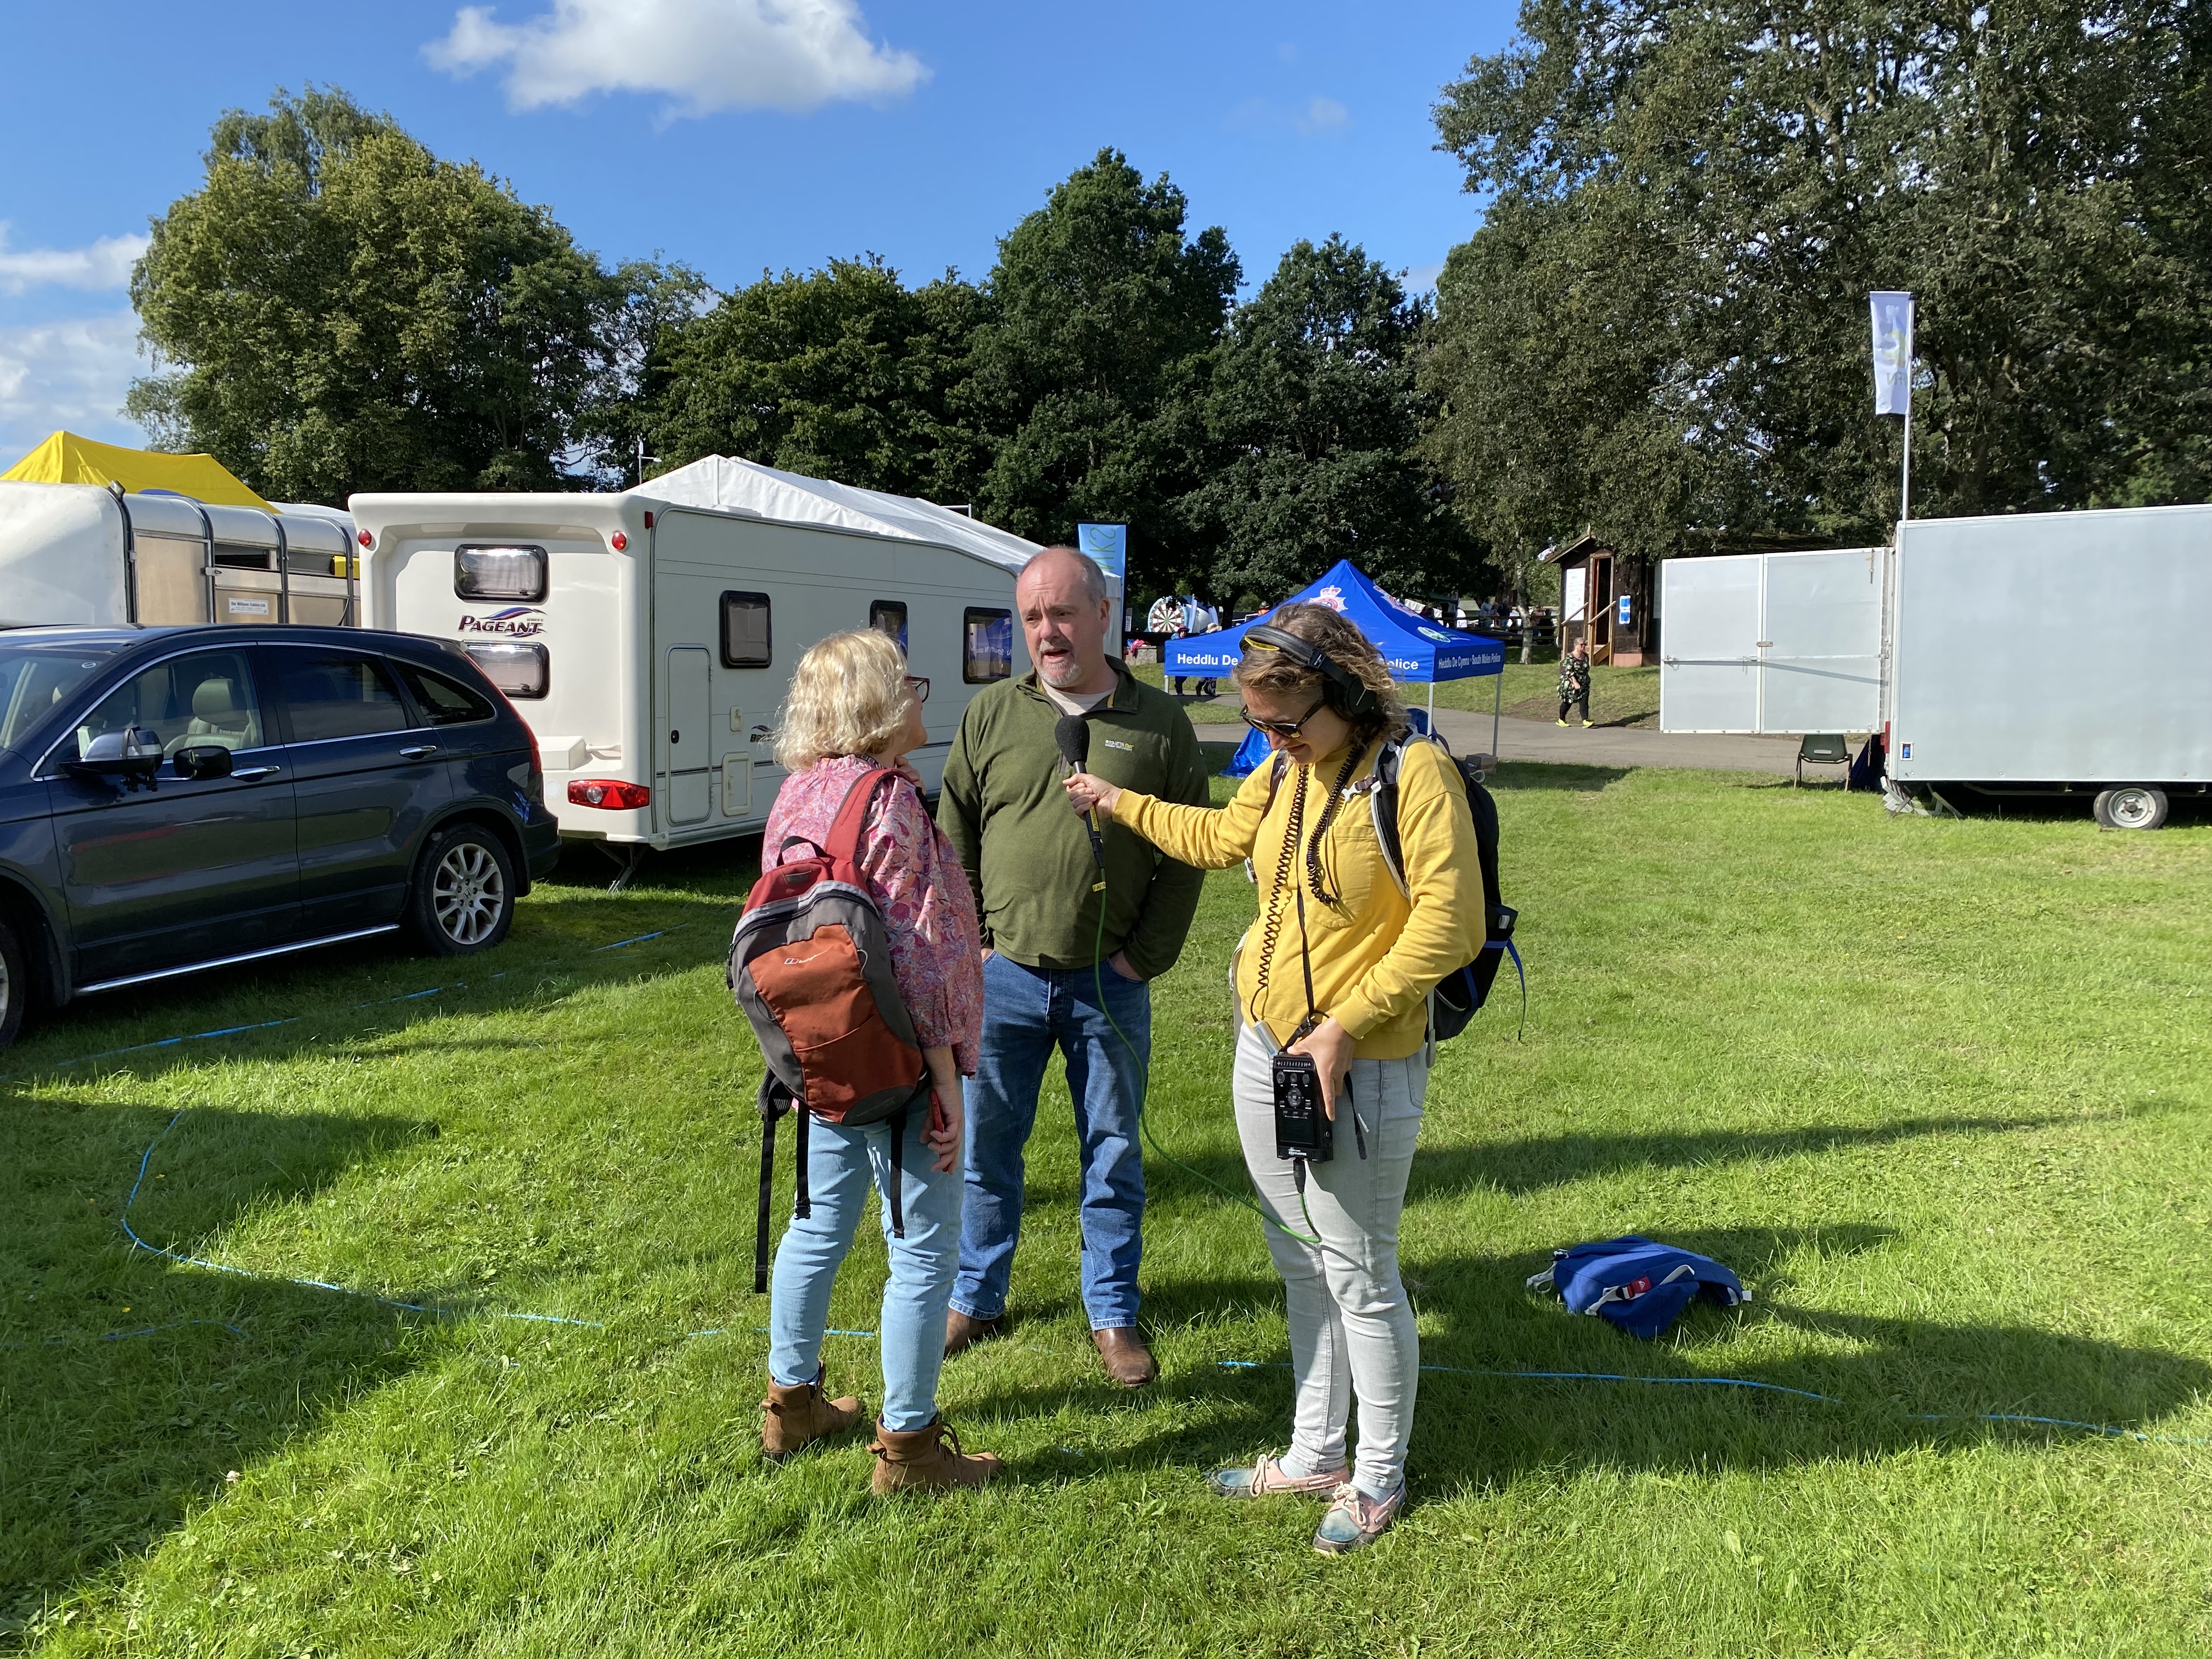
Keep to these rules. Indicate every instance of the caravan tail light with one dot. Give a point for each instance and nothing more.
(366, 539)
(608, 793)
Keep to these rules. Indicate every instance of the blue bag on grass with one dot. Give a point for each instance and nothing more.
(1640, 1286)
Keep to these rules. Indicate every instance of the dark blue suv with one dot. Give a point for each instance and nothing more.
(173, 799)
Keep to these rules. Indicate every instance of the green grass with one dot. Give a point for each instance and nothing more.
(1937, 1089)
(1619, 696)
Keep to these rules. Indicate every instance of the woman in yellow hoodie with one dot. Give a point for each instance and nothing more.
(1374, 942)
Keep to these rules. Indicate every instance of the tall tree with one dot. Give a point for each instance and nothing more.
(346, 312)
(843, 374)
(1313, 415)
(1662, 321)
(1088, 373)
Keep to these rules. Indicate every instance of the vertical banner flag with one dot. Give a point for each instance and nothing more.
(1892, 352)
(1109, 544)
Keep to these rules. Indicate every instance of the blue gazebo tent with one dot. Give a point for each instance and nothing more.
(1418, 651)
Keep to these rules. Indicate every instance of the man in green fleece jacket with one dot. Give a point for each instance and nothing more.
(1054, 975)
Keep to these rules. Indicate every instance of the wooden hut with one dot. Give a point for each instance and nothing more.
(1605, 596)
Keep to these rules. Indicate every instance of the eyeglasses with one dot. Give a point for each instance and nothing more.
(1284, 729)
(918, 684)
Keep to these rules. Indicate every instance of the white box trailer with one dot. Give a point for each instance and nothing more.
(2025, 660)
(648, 636)
(77, 554)
(2005, 655)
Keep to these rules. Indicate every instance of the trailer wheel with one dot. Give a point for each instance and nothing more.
(15, 984)
(2138, 806)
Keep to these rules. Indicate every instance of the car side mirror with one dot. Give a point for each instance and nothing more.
(130, 757)
(203, 760)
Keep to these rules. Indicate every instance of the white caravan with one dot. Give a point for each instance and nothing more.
(2003, 655)
(649, 637)
(77, 554)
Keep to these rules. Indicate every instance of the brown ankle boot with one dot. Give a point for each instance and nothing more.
(795, 1416)
(920, 1460)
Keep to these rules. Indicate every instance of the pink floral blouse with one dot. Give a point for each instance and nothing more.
(916, 881)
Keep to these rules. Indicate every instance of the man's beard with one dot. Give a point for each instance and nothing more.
(1070, 671)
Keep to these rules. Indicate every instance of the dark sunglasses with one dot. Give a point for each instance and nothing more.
(1284, 728)
(918, 684)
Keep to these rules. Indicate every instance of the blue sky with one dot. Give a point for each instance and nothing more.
(733, 135)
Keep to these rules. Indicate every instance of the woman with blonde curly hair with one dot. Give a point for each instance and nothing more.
(1337, 968)
(853, 708)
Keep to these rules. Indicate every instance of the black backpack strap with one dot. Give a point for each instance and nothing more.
(896, 1196)
(803, 1205)
(775, 1101)
(1385, 812)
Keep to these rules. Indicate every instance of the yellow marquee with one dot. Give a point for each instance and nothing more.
(64, 457)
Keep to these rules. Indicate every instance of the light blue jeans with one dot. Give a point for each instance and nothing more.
(842, 1164)
(1350, 1324)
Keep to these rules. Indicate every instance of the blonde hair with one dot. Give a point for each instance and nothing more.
(1344, 645)
(847, 696)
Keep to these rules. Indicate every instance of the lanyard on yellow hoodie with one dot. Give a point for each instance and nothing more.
(1374, 951)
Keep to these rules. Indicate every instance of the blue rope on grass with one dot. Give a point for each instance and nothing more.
(145, 1162)
(291, 1019)
(147, 1159)
(2107, 1429)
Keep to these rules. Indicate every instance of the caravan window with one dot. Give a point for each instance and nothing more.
(517, 670)
(988, 646)
(499, 572)
(889, 616)
(746, 640)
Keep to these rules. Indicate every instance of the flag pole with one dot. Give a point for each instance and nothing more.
(1904, 485)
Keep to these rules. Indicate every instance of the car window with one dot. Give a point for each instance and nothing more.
(444, 702)
(204, 698)
(34, 684)
(337, 695)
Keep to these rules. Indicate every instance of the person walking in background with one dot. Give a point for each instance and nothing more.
(853, 708)
(1337, 967)
(1575, 681)
(1071, 935)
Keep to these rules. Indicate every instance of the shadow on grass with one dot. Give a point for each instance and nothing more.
(1520, 1167)
(105, 1445)
(1891, 1384)
(1513, 776)
(370, 990)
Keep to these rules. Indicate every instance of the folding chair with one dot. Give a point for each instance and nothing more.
(1823, 749)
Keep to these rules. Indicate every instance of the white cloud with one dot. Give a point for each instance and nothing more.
(72, 373)
(1323, 115)
(106, 263)
(1317, 117)
(707, 55)
(1422, 279)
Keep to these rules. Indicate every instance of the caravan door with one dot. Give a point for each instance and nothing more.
(686, 760)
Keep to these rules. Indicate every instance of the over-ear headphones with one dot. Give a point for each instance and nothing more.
(1341, 689)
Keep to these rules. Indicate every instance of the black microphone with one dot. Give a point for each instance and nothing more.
(1072, 734)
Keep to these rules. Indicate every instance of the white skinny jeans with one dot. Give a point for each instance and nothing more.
(1352, 1327)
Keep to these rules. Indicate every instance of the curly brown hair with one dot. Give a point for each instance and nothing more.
(1344, 645)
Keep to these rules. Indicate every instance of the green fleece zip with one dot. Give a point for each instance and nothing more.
(1028, 857)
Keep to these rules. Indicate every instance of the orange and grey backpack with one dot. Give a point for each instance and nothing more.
(811, 965)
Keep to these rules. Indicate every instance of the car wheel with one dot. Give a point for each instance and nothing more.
(15, 984)
(2138, 806)
(463, 899)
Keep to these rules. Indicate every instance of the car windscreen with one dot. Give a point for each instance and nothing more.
(36, 679)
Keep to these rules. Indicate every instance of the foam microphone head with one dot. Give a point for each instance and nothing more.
(1072, 734)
